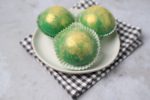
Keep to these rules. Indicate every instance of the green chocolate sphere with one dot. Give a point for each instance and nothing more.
(54, 19)
(99, 19)
(77, 45)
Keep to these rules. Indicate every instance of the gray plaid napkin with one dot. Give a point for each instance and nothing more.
(76, 85)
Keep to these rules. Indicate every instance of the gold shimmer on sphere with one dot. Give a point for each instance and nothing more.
(107, 21)
(91, 19)
(63, 22)
(79, 44)
(57, 9)
(50, 18)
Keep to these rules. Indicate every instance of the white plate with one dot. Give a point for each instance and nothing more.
(44, 49)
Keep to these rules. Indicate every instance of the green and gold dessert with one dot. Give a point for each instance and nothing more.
(54, 19)
(77, 47)
(99, 19)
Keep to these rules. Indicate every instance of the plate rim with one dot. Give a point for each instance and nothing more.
(65, 70)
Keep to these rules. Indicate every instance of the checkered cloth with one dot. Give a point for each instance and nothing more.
(76, 85)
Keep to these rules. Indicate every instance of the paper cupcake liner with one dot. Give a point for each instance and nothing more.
(93, 34)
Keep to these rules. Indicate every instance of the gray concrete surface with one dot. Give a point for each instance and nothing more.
(22, 78)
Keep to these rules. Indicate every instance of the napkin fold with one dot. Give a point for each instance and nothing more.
(76, 85)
